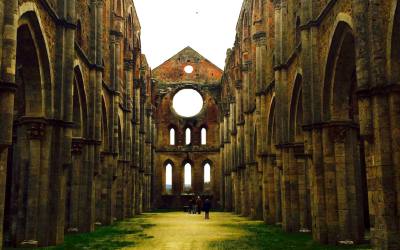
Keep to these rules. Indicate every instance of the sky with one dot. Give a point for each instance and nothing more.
(168, 26)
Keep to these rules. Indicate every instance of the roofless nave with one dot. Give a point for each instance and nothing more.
(301, 128)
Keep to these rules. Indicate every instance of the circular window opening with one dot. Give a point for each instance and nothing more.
(189, 69)
(187, 102)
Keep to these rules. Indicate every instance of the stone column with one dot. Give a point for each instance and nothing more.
(318, 198)
(222, 160)
(72, 224)
(97, 173)
(35, 133)
(8, 47)
(269, 189)
(290, 191)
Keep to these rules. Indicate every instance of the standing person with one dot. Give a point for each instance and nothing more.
(193, 204)
(190, 209)
(199, 204)
(207, 207)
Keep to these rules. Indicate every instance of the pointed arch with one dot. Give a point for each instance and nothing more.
(340, 69)
(104, 125)
(79, 104)
(187, 177)
(33, 70)
(203, 135)
(188, 136)
(207, 176)
(271, 126)
(168, 176)
(296, 111)
(172, 135)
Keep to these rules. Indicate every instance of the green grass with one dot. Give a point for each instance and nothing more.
(261, 236)
(121, 234)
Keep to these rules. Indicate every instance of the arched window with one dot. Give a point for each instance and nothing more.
(172, 136)
(168, 178)
(207, 177)
(188, 178)
(188, 136)
(203, 136)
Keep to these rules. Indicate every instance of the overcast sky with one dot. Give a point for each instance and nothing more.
(168, 26)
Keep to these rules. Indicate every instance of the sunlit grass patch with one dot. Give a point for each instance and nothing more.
(119, 235)
(261, 236)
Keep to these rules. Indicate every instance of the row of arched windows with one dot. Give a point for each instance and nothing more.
(188, 136)
(187, 183)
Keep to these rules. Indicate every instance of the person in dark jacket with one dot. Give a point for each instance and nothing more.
(207, 207)
(193, 206)
(199, 204)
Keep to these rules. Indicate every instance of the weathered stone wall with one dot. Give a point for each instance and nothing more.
(323, 75)
(76, 149)
(170, 77)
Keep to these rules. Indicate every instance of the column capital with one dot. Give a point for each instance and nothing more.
(8, 86)
(260, 38)
(36, 130)
(77, 145)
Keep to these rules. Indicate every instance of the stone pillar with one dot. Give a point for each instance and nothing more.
(318, 197)
(290, 191)
(72, 223)
(269, 189)
(8, 47)
(278, 188)
(97, 172)
(35, 133)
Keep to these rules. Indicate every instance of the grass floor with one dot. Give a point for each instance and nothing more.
(181, 231)
(261, 236)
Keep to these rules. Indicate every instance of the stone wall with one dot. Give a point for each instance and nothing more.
(311, 150)
(76, 119)
(170, 78)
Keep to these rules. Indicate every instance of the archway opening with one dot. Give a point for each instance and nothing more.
(203, 136)
(345, 143)
(33, 90)
(168, 178)
(188, 136)
(187, 178)
(172, 136)
(207, 177)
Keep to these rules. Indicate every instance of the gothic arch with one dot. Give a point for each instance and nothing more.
(207, 165)
(342, 139)
(164, 175)
(33, 101)
(33, 71)
(271, 140)
(296, 111)
(104, 125)
(340, 69)
(79, 105)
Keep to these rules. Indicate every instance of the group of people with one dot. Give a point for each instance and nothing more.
(196, 205)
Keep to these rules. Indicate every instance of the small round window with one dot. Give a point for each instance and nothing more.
(188, 69)
(187, 102)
